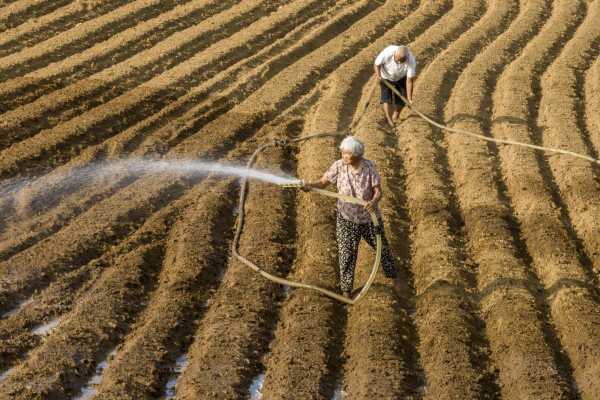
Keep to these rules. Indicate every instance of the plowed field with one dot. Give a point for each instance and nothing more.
(123, 286)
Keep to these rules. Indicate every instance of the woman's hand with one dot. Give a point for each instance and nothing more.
(304, 185)
(371, 205)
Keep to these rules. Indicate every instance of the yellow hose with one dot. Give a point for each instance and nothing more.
(283, 281)
(486, 138)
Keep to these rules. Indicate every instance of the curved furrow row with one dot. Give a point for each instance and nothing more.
(373, 378)
(39, 29)
(310, 328)
(562, 271)
(236, 329)
(592, 111)
(562, 123)
(152, 235)
(156, 136)
(118, 47)
(17, 13)
(16, 332)
(195, 257)
(147, 71)
(59, 366)
(60, 296)
(524, 346)
(454, 352)
(81, 37)
(85, 239)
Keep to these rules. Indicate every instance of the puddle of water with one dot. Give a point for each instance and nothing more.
(45, 329)
(422, 382)
(256, 387)
(180, 364)
(339, 394)
(89, 390)
(5, 374)
(18, 308)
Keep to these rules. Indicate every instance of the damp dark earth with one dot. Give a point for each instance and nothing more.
(125, 128)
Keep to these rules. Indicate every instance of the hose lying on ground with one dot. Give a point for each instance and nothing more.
(486, 138)
(350, 199)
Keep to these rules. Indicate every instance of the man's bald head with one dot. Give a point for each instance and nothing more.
(401, 54)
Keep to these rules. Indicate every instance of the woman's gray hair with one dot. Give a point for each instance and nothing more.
(353, 145)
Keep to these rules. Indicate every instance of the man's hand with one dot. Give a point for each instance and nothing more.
(409, 90)
(377, 69)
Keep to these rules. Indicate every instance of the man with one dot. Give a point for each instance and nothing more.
(398, 66)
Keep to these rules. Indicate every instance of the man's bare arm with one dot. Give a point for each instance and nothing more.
(409, 89)
(377, 69)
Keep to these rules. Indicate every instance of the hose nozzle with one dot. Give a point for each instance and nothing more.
(293, 185)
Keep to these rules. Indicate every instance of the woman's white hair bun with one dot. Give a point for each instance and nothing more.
(353, 145)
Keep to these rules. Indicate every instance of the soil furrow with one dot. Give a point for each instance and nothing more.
(381, 346)
(592, 94)
(196, 254)
(149, 66)
(68, 355)
(61, 19)
(117, 48)
(524, 347)
(17, 13)
(311, 327)
(571, 298)
(63, 293)
(16, 332)
(81, 37)
(242, 313)
(85, 239)
(454, 352)
(562, 125)
(362, 373)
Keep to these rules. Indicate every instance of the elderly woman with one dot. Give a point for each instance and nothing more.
(355, 176)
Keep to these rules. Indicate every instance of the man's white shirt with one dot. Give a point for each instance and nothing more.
(392, 70)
